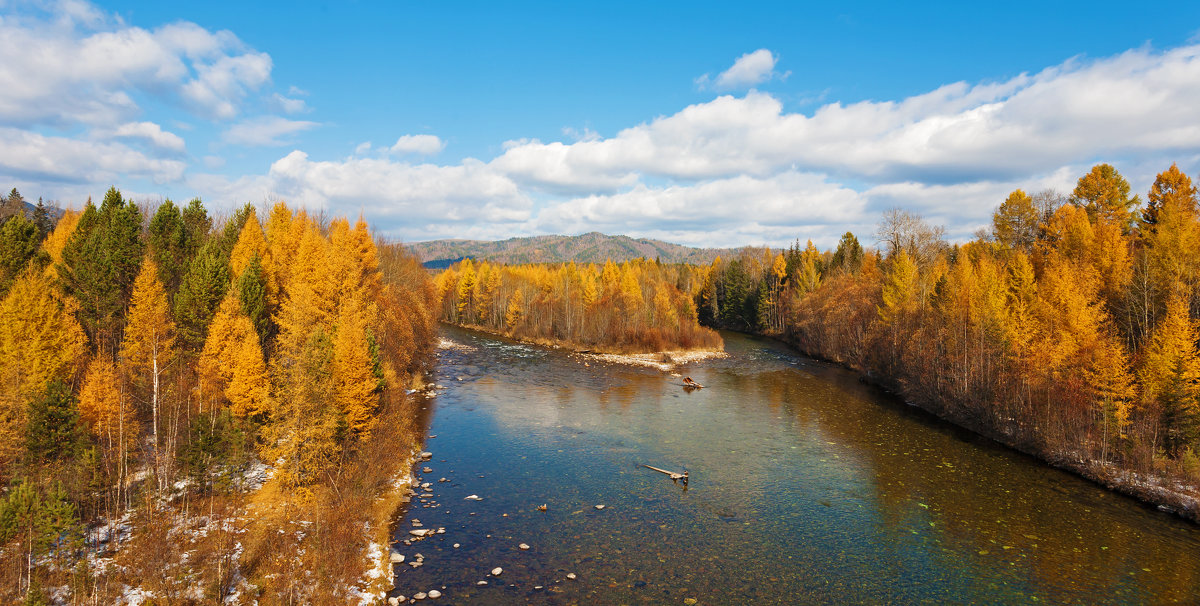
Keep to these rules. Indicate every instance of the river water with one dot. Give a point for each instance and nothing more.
(806, 486)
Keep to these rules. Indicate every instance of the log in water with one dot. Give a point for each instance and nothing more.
(806, 487)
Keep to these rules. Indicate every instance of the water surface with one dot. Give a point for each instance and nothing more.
(806, 486)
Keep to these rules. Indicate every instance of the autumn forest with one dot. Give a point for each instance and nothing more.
(150, 357)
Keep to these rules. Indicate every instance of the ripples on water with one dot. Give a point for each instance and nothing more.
(806, 487)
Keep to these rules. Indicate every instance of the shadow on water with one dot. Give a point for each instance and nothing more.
(806, 486)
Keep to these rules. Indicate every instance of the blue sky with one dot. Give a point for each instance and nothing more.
(697, 123)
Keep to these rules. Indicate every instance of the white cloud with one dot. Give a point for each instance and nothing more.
(416, 202)
(425, 145)
(35, 157)
(289, 105)
(748, 70)
(1136, 103)
(151, 133)
(77, 66)
(725, 212)
(265, 131)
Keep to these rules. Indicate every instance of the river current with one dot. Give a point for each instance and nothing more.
(805, 486)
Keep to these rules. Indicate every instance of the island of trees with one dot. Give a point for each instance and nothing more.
(634, 307)
(193, 406)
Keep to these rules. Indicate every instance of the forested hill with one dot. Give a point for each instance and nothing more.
(592, 247)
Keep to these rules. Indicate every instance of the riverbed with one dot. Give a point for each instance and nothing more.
(805, 486)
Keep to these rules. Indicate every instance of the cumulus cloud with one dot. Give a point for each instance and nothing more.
(748, 70)
(425, 145)
(152, 134)
(1138, 102)
(726, 212)
(87, 68)
(265, 131)
(30, 156)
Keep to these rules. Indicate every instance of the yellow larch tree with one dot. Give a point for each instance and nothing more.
(148, 346)
(465, 293)
(56, 241)
(104, 409)
(250, 242)
(515, 311)
(231, 363)
(356, 384)
(40, 340)
(1170, 375)
(899, 288)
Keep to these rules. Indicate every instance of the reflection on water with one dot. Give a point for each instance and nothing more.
(806, 487)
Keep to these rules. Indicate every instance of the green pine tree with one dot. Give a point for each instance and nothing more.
(200, 293)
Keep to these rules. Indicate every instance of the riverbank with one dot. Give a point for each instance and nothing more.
(1163, 492)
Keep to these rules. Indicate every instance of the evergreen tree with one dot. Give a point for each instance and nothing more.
(848, 256)
(53, 431)
(100, 263)
(41, 218)
(169, 245)
(203, 287)
(19, 241)
(256, 304)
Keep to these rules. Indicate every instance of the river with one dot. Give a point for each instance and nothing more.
(806, 486)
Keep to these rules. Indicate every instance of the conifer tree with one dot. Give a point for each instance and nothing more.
(1015, 223)
(202, 290)
(900, 288)
(19, 240)
(40, 340)
(105, 410)
(257, 303)
(1170, 376)
(1171, 187)
(1103, 192)
(169, 244)
(54, 243)
(848, 255)
(100, 263)
(42, 219)
(149, 344)
(53, 431)
(354, 384)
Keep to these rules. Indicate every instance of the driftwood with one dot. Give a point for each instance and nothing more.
(688, 382)
(675, 477)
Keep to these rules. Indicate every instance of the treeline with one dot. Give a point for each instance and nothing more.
(150, 356)
(1070, 328)
(636, 306)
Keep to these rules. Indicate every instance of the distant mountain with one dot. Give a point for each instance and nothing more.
(593, 247)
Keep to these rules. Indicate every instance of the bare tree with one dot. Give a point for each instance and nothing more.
(902, 230)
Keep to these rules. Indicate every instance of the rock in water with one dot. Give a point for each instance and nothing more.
(571, 575)
(599, 507)
(523, 547)
(496, 571)
(425, 456)
(434, 594)
(420, 595)
(396, 558)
